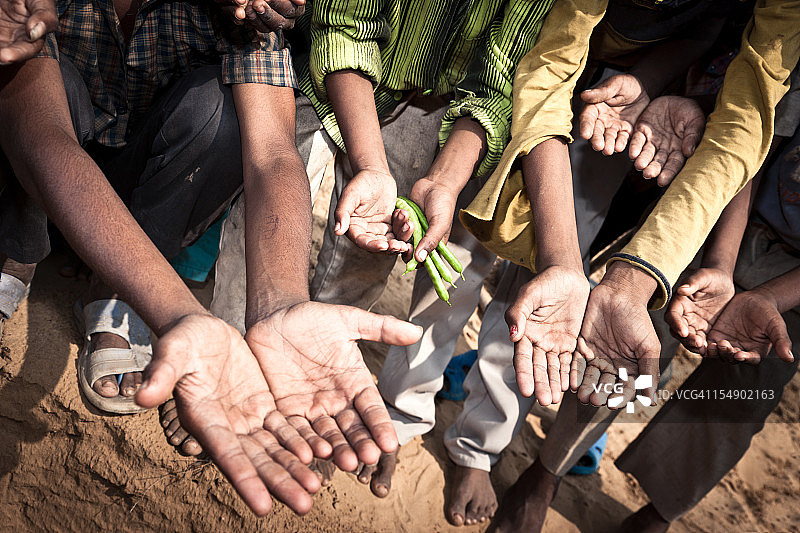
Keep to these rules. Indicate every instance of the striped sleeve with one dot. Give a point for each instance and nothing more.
(486, 92)
(346, 34)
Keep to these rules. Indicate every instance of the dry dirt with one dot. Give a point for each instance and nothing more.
(64, 467)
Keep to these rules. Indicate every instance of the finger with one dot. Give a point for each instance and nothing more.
(321, 448)
(372, 409)
(367, 241)
(645, 156)
(671, 168)
(288, 437)
(402, 226)
(162, 374)
(554, 376)
(523, 366)
(590, 381)
(676, 320)
(358, 436)
(598, 136)
(298, 471)
(779, 336)
(690, 142)
(652, 170)
(566, 362)
(274, 476)
(363, 325)
(750, 358)
(649, 366)
(638, 140)
(288, 8)
(587, 120)
(605, 384)
(603, 92)
(439, 225)
(576, 371)
(609, 140)
(529, 298)
(20, 51)
(622, 141)
(343, 455)
(225, 448)
(43, 18)
(541, 381)
(348, 203)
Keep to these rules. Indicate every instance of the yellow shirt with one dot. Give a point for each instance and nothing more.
(734, 145)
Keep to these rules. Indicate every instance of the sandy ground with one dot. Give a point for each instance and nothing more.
(64, 467)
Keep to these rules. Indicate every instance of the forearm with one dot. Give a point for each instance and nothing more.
(277, 201)
(460, 156)
(351, 95)
(548, 180)
(783, 291)
(77, 197)
(722, 246)
(665, 63)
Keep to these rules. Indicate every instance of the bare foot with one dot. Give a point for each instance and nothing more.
(472, 498)
(380, 474)
(176, 435)
(645, 520)
(525, 504)
(324, 468)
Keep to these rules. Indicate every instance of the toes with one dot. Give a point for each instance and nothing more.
(455, 513)
(324, 469)
(382, 477)
(106, 386)
(190, 446)
(365, 475)
(168, 413)
(127, 387)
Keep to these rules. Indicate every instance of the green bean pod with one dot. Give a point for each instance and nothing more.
(444, 272)
(448, 255)
(402, 203)
(438, 284)
(423, 220)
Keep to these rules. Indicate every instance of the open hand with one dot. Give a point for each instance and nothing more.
(310, 356)
(617, 334)
(544, 322)
(667, 133)
(224, 402)
(264, 15)
(696, 306)
(23, 27)
(747, 328)
(365, 211)
(611, 110)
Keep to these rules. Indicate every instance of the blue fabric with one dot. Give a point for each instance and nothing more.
(590, 463)
(195, 261)
(454, 376)
(778, 200)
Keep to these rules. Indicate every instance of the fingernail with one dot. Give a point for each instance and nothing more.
(513, 331)
(406, 227)
(37, 32)
(337, 227)
(791, 355)
(422, 255)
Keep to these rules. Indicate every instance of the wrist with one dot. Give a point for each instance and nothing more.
(630, 281)
(261, 308)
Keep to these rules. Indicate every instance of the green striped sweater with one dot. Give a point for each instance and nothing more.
(467, 48)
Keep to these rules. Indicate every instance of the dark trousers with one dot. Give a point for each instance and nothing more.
(178, 172)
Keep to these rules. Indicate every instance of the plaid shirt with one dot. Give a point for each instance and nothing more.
(169, 38)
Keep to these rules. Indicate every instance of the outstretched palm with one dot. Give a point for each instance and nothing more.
(616, 334)
(666, 133)
(747, 329)
(310, 356)
(697, 305)
(611, 110)
(365, 211)
(223, 400)
(544, 321)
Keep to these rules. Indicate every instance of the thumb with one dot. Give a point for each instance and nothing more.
(348, 203)
(438, 231)
(42, 20)
(528, 299)
(162, 374)
(690, 142)
(604, 92)
(779, 336)
(380, 328)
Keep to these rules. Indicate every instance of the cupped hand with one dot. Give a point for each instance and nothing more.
(544, 322)
(616, 334)
(23, 27)
(309, 354)
(437, 200)
(747, 328)
(365, 212)
(667, 132)
(264, 15)
(696, 306)
(611, 110)
(224, 402)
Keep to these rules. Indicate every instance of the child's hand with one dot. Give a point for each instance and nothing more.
(696, 306)
(544, 322)
(611, 110)
(746, 330)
